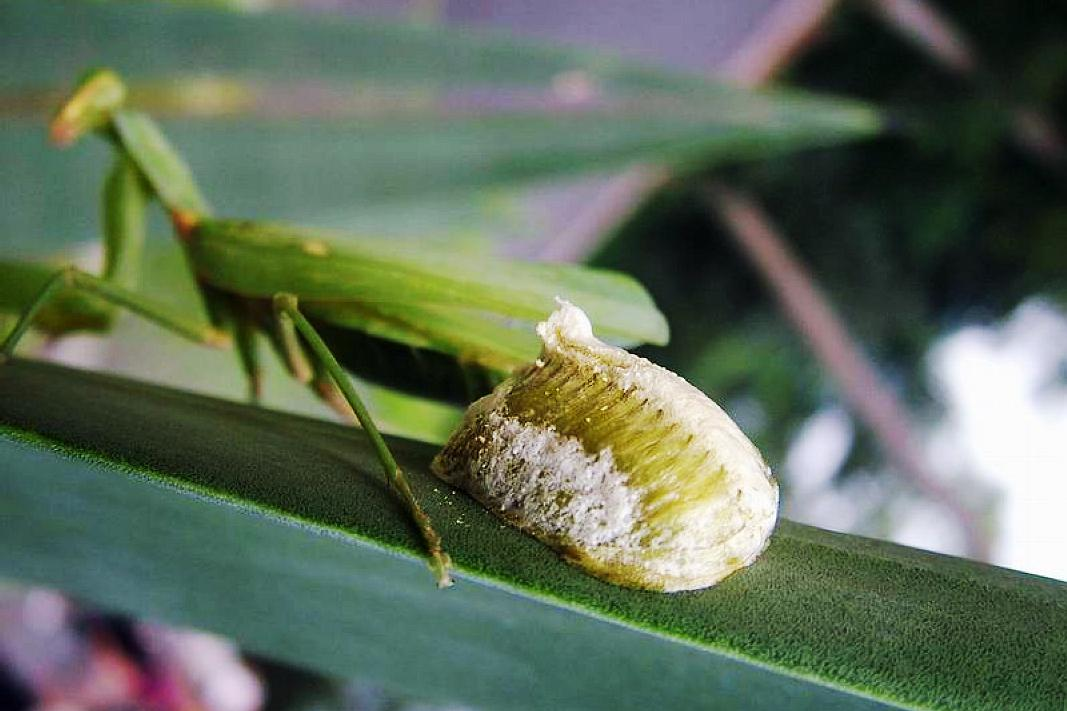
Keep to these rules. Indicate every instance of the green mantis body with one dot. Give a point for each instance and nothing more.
(454, 327)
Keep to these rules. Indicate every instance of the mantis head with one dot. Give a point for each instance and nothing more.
(89, 107)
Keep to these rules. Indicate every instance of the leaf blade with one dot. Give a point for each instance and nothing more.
(305, 170)
(822, 619)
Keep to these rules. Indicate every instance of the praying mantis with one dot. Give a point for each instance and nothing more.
(322, 301)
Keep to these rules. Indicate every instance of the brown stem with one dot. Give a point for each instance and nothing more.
(929, 30)
(782, 32)
(826, 335)
(613, 205)
(944, 42)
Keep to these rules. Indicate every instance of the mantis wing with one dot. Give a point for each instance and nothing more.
(428, 321)
(258, 260)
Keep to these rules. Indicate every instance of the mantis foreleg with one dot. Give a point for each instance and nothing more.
(125, 204)
(72, 278)
(286, 307)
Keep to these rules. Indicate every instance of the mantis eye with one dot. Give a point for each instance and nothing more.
(623, 467)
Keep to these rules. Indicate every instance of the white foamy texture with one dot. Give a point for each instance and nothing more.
(551, 480)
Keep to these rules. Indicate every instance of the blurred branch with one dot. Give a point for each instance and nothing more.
(785, 30)
(616, 202)
(781, 34)
(1037, 135)
(791, 24)
(828, 338)
(948, 46)
(929, 30)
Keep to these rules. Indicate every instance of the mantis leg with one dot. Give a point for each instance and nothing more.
(125, 203)
(288, 346)
(232, 314)
(72, 278)
(248, 353)
(286, 307)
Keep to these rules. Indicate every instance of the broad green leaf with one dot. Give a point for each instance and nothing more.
(439, 141)
(275, 530)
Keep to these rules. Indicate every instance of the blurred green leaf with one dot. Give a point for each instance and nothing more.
(276, 531)
(444, 136)
(156, 39)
